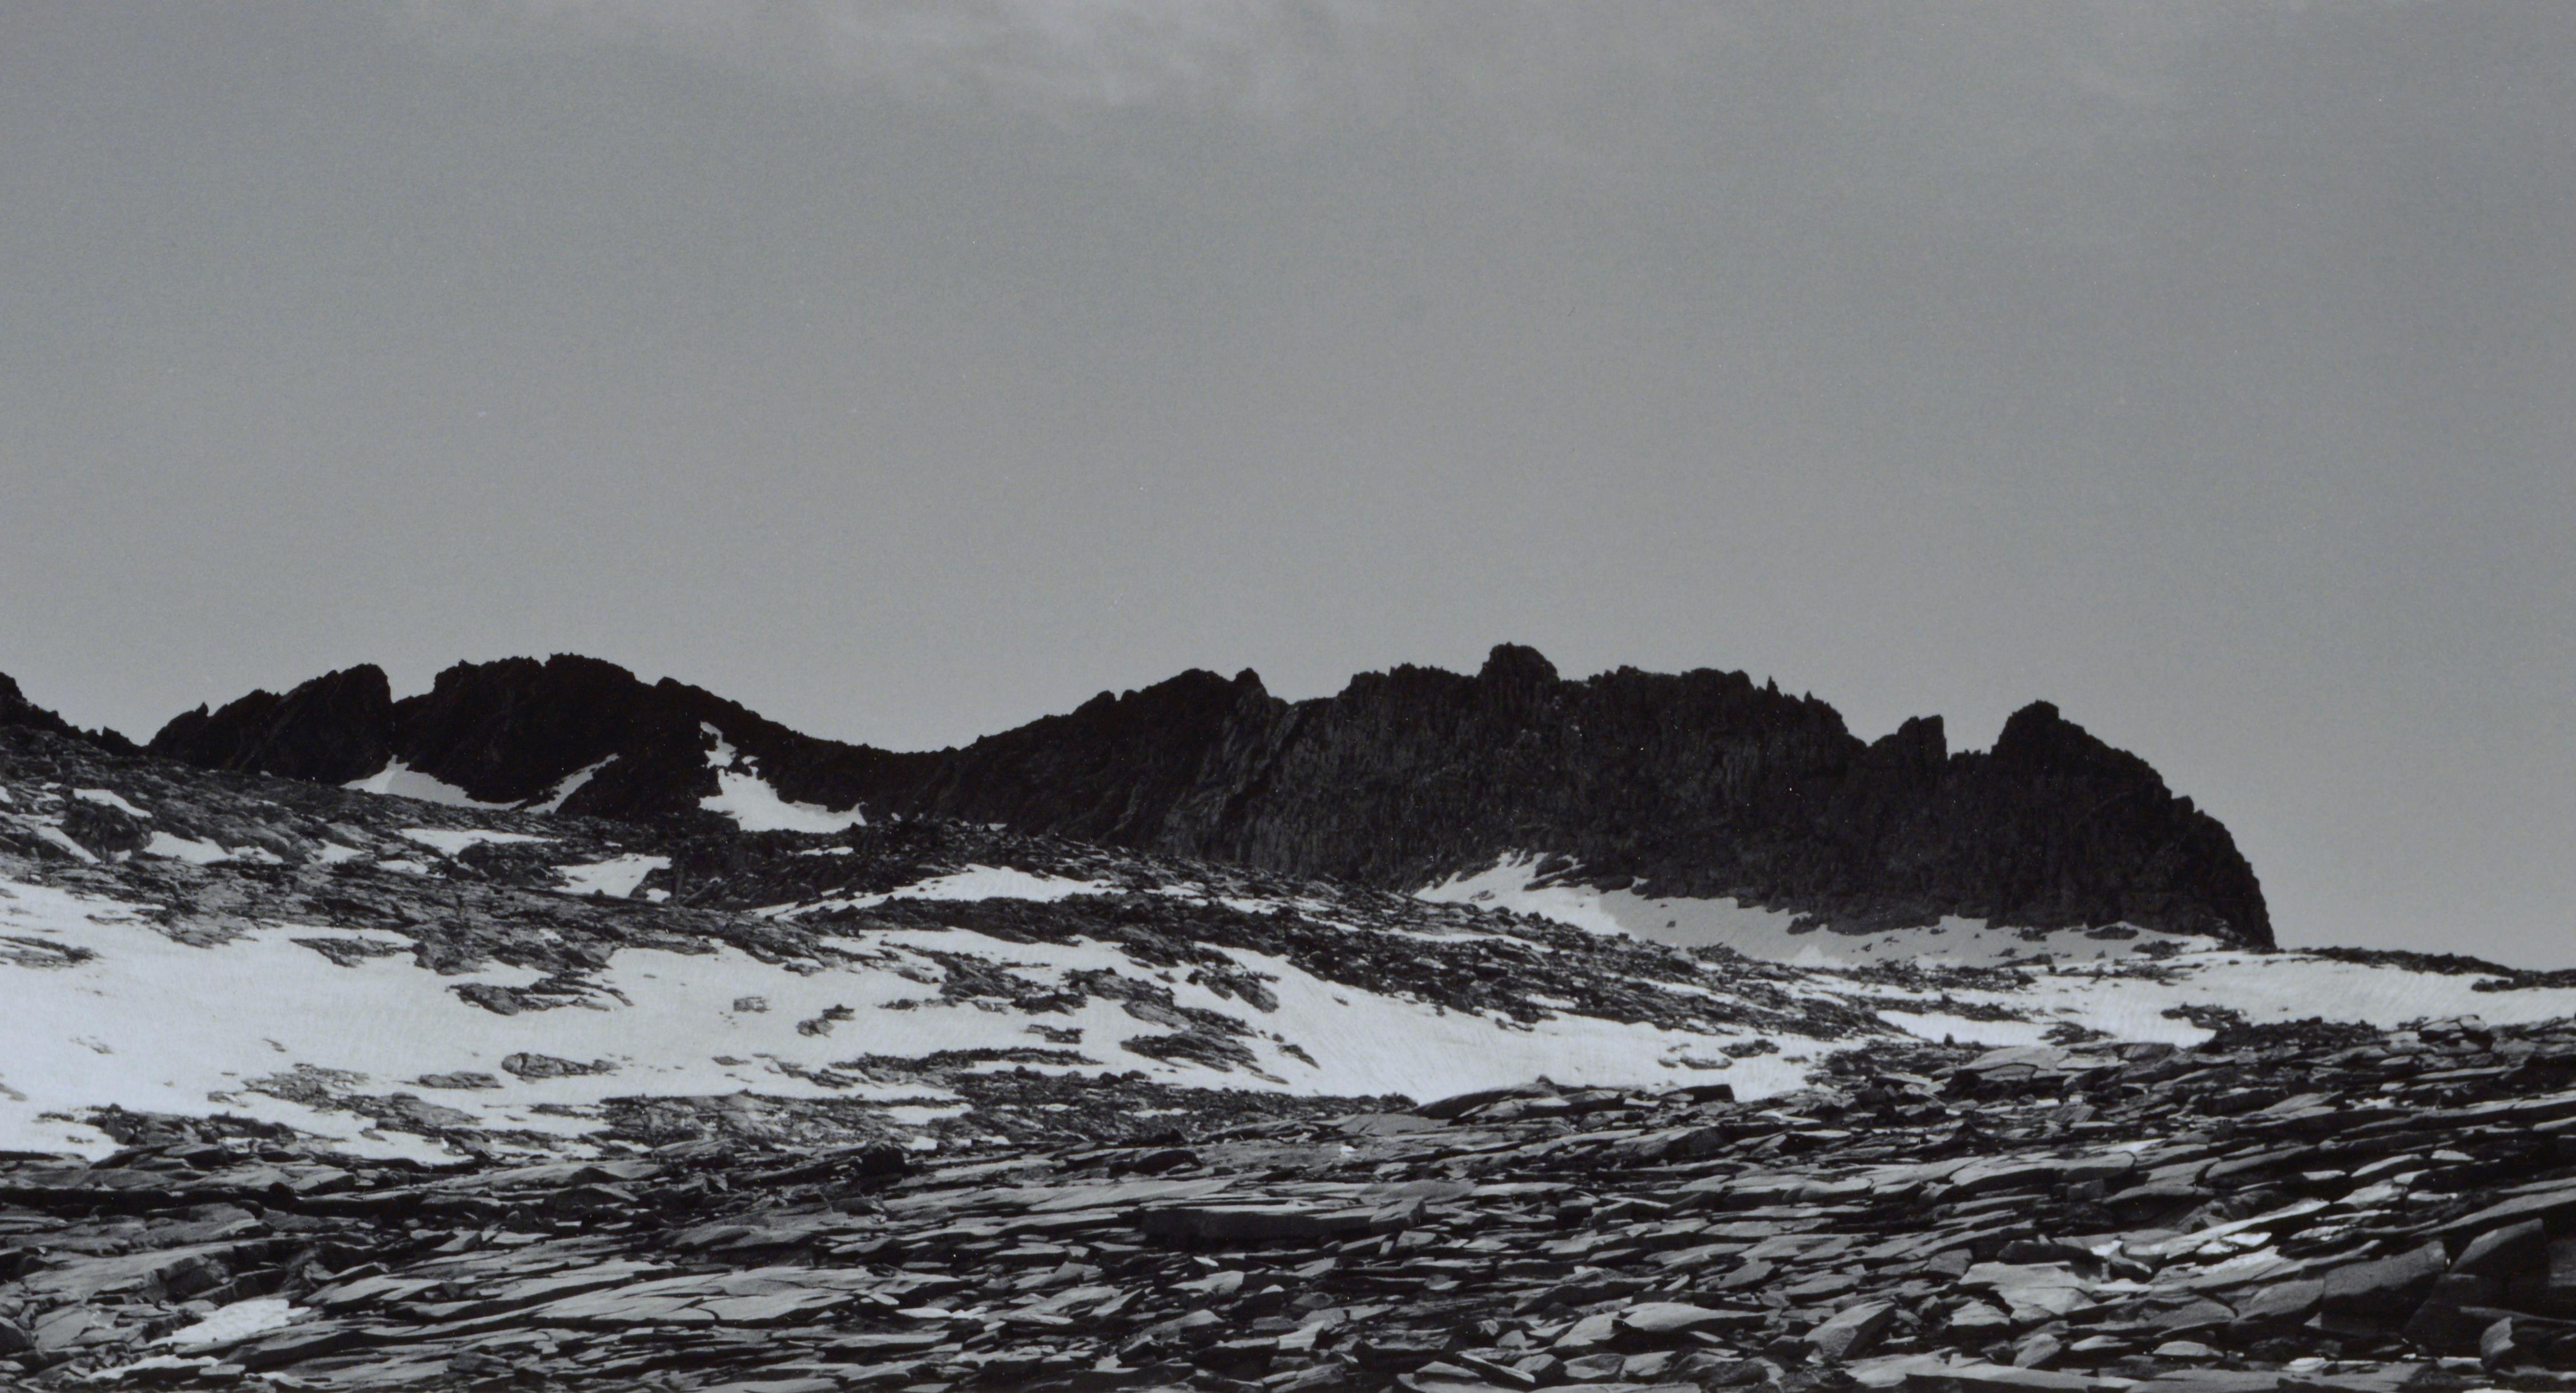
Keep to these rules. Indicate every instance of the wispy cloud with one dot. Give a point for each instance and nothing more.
(1884, 92)
(1266, 58)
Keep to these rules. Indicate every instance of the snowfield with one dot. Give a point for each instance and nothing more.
(1771, 934)
(115, 1011)
(143, 1021)
(187, 968)
(2110, 984)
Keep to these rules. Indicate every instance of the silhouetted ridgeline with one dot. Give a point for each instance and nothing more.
(1700, 783)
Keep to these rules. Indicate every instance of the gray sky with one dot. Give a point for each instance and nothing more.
(908, 371)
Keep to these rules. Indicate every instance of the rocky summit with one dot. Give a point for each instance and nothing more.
(359, 1043)
(1698, 785)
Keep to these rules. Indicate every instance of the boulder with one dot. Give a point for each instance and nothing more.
(1851, 1333)
(2388, 1288)
(2510, 1248)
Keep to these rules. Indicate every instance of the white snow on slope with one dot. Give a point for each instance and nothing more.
(151, 1023)
(451, 840)
(1367, 1043)
(1361, 1042)
(62, 840)
(2130, 1001)
(204, 853)
(109, 798)
(972, 883)
(615, 877)
(1767, 933)
(747, 798)
(400, 780)
(566, 787)
(188, 849)
(154, 1024)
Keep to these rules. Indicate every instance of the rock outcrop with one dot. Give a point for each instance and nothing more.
(335, 728)
(1700, 783)
(972, 1186)
(16, 710)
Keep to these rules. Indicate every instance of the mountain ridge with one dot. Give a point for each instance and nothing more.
(1699, 784)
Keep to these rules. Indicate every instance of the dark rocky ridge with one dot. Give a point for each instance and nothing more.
(16, 710)
(335, 728)
(1700, 783)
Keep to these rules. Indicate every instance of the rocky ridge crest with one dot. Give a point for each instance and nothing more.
(1696, 784)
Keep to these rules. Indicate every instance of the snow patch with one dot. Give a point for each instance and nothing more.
(188, 849)
(747, 798)
(205, 853)
(400, 780)
(109, 798)
(972, 883)
(2131, 1001)
(63, 840)
(615, 877)
(1773, 934)
(451, 841)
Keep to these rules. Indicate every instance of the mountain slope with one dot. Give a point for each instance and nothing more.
(1701, 784)
(426, 979)
(303, 1085)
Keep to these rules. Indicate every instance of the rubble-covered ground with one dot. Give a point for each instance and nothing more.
(311, 1087)
(2280, 1207)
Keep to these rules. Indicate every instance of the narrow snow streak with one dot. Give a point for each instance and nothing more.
(566, 787)
(109, 798)
(972, 883)
(451, 840)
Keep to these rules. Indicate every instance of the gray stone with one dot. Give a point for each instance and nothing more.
(2509, 1248)
(2389, 1286)
(1853, 1332)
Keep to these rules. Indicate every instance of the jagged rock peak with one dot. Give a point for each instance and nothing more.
(1701, 783)
(1513, 664)
(335, 728)
(16, 710)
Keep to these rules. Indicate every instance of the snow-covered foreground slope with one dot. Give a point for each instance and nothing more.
(429, 978)
(355, 1046)
(414, 978)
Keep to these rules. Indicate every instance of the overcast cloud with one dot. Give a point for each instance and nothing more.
(908, 371)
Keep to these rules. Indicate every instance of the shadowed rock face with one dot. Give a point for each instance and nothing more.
(1699, 783)
(335, 728)
(16, 710)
